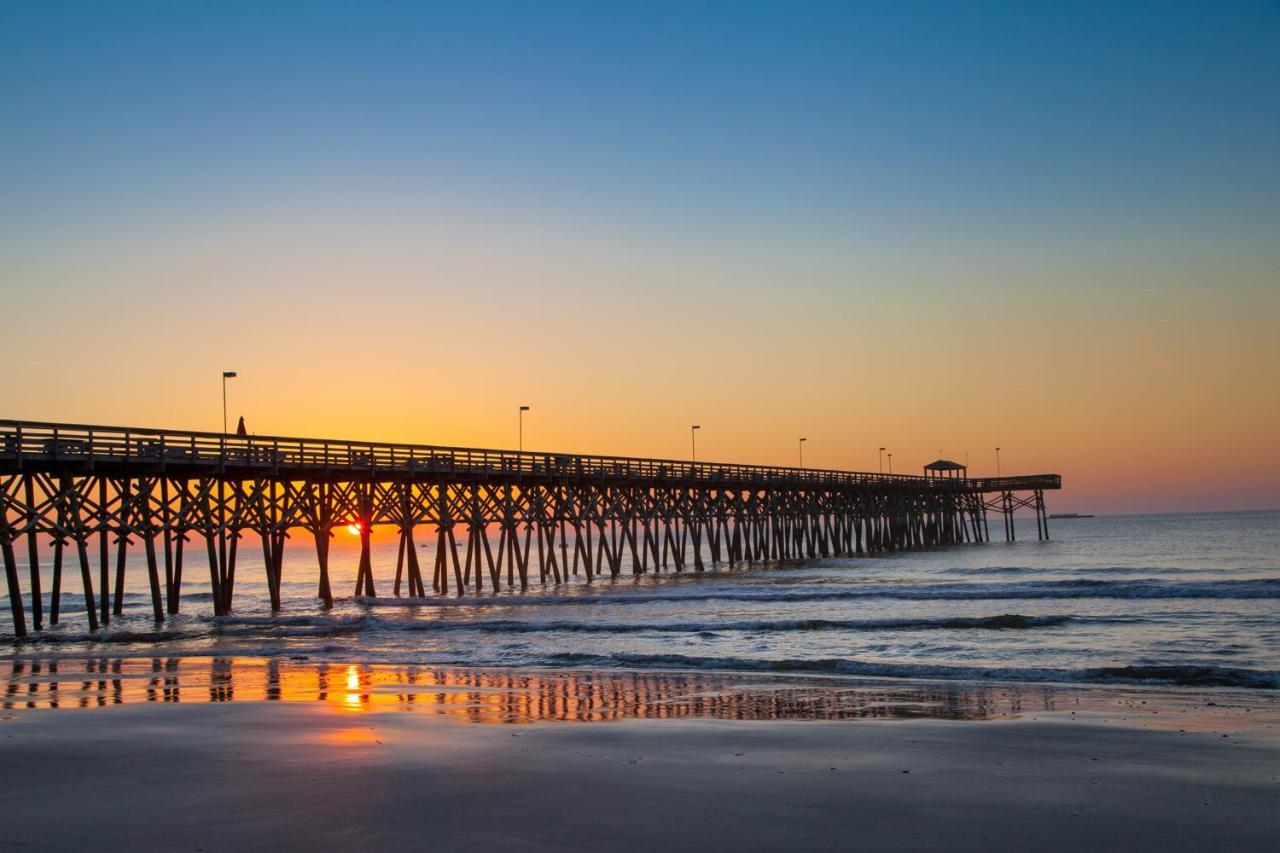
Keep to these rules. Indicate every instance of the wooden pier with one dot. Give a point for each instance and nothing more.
(91, 492)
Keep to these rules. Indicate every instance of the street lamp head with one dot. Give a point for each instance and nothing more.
(524, 408)
(228, 374)
(804, 439)
(695, 426)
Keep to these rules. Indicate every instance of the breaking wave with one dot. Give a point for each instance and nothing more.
(1007, 621)
(962, 591)
(1181, 675)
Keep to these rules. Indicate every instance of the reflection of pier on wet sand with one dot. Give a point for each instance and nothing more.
(497, 696)
(502, 696)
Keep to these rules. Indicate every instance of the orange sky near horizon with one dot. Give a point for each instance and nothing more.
(1141, 386)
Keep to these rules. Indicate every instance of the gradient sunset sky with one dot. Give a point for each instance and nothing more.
(1052, 227)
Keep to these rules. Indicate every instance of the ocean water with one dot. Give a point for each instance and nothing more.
(1170, 599)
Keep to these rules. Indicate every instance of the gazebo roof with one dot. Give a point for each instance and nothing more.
(944, 465)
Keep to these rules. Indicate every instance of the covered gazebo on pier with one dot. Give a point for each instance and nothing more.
(946, 469)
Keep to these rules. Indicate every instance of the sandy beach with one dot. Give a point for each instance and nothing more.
(184, 755)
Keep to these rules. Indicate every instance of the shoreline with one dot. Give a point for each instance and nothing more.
(257, 754)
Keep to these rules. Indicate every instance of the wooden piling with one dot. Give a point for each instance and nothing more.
(15, 591)
(33, 556)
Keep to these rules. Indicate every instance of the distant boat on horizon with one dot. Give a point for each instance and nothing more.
(1070, 515)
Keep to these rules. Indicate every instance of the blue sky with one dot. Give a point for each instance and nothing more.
(798, 118)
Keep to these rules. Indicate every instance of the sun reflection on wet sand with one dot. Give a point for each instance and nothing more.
(354, 699)
(511, 696)
(352, 736)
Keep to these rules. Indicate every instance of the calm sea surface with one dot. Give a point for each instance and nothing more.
(1184, 599)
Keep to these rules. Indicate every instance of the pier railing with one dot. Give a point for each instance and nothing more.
(1028, 482)
(83, 445)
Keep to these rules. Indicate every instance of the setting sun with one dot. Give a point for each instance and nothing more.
(353, 529)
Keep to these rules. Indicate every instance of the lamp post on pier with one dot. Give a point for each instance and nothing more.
(890, 464)
(520, 438)
(997, 462)
(693, 442)
(801, 445)
(882, 460)
(226, 374)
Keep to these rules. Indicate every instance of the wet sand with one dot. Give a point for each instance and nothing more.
(254, 756)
